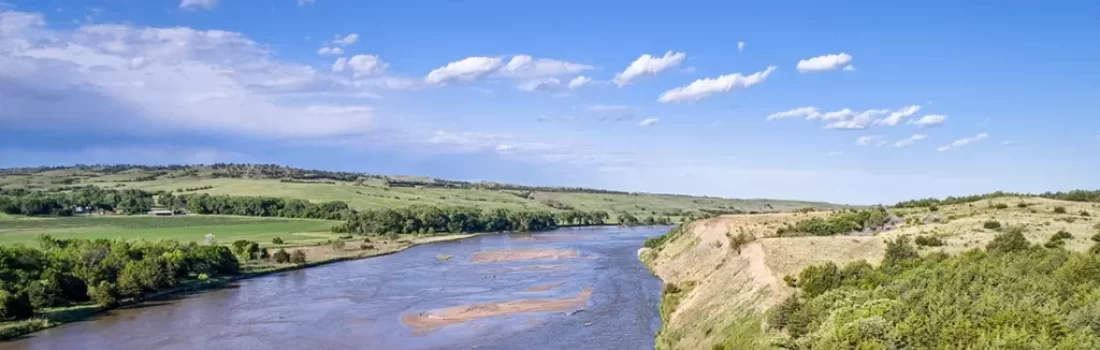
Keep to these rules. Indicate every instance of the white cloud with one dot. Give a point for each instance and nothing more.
(850, 68)
(867, 140)
(896, 116)
(740, 46)
(366, 65)
(911, 140)
(1007, 142)
(335, 51)
(179, 79)
(340, 64)
(467, 69)
(346, 40)
(605, 108)
(803, 112)
(306, 2)
(579, 82)
(648, 122)
(963, 142)
(824, 63)
(542, 85)
(197, 4)
(525, 66)
(930, 120)
(648, 65)
(703, 88)
(835, 153)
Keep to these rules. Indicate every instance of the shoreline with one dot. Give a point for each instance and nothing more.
(18, 329)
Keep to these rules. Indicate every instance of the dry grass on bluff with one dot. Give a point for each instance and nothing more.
(731, 290)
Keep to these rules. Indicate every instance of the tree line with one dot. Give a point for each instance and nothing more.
(1011, 295)
(37, 203)
(205, 203)
(63, 272)
(1074, 196)
(422, 219)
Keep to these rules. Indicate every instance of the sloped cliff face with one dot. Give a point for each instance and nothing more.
(716, 294)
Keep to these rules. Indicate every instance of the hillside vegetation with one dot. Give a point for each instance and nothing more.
(993, 272)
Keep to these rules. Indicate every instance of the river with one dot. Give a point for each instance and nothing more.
(361, 304)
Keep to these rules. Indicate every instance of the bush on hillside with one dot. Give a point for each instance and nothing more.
(276, 240)
(991, 225)
(1059, 210)
(928, 241)
(1000, 206)
(1030, 291)
(1011, 240)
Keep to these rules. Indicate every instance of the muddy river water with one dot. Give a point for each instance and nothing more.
(566, 289)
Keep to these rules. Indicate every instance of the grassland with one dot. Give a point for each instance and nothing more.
(191, 228)
(733, 289)
(375, 191)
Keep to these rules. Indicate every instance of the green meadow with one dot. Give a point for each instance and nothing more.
(189, 228)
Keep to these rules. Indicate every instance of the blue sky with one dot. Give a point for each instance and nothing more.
(884, 101)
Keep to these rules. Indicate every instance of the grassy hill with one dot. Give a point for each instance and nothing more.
(719, 295)
(369, 191)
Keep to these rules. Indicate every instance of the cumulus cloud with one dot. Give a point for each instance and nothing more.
(803, 112)
(579, 82)
(930, 120)
(147, 79)
(467, 69)
(703, 88)
(963, 142)
(525, 66)
(198, 4)
(648, 122)
(847, 118)
(366, 65)
(911, 140)
(519, 67)
(740, 46)
(306, 2)
(895, 117)
(345, 40)
(824, 63)
(868, 140)
(340, 64)
(327, 50)
(648, 65)
(542, 85)
(605, 108)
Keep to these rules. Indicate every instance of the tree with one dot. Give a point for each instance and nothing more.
(298, 257)
(105, 294)
(281, 256)
(276, 240)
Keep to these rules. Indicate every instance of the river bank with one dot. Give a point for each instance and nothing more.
(59, 316)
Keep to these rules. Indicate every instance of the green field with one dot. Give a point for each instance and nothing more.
(193, 228)
(373, 191)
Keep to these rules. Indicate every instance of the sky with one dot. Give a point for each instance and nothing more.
(856, 102)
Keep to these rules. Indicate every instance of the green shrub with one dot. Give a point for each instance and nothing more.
(1000, 206)
(1000, 299)
(105, 294)
(1011, 240)
(1059, 210)
(14, 305)
(298, 257)
(1085, 213)
(933, 208)
(1021, 205)
(281, 256)
(991, 225)
(276, 240)
(928, 241)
